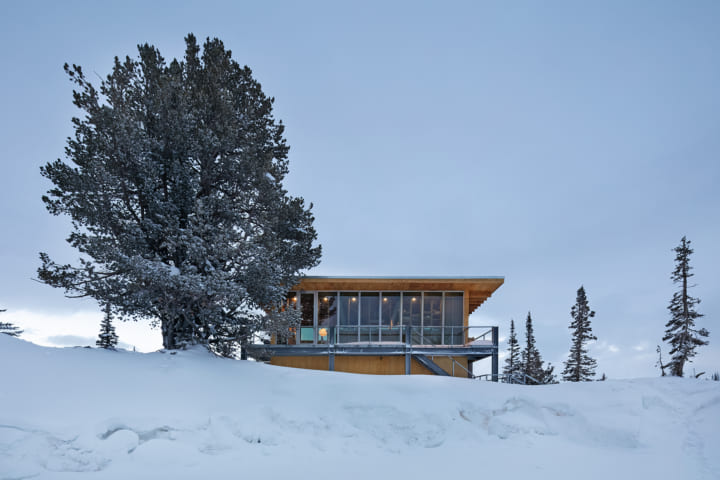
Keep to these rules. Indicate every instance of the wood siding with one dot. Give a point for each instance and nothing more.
(373, 365)
(310, 363)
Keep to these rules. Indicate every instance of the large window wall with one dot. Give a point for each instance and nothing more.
(435, 318)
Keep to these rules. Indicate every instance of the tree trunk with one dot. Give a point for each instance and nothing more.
(168, 334)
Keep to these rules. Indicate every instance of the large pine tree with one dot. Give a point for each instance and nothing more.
(580, 367)
(512, 361)
(681, 332)
(174, 185)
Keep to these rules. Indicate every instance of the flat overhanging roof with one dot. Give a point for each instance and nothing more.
(478, 289)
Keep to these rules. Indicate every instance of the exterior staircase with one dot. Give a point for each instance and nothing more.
(429, 364)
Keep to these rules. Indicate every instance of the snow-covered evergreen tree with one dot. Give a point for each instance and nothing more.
(226, 339)
(547, 375)
(531, 361)
(512, 361)
(9, 329)
(107, 338)
(681, 332)
(580, 367)
(174, 185)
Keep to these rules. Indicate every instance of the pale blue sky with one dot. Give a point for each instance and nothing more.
(554, 143)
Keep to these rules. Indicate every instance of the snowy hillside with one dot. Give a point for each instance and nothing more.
(120, 415)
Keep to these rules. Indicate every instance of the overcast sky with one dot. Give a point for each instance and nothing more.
(556, 144)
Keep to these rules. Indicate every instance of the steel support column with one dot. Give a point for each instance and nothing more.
(331, 349)
(495, 342)
(408, 351)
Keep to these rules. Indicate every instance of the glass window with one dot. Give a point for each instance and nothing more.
(292, 299)
(390, 317)
(348, 311)
(369, 316)
(369, 308)
(307, 329)
(432, 318)
(391, 308)
(327, 315)
(454, 333)
(411, 303)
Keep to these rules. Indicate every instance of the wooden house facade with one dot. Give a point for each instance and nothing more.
(384, 325)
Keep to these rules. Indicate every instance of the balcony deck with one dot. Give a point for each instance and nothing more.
(472, 351)
(475, 349)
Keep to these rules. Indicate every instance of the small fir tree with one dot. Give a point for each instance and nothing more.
(107, 338)
(681, 333)
(547, 376)
(512, 362)
(580, 367)
(9, 329)
(227, 339)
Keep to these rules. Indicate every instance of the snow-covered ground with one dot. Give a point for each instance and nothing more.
(88, 413)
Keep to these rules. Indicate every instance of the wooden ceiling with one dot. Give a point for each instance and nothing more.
(478, 289)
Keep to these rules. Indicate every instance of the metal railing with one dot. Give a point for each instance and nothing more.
(455, 362)
(407, 334)
(516, 378)
(408, 340)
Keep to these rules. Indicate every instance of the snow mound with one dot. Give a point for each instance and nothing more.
(96, 414)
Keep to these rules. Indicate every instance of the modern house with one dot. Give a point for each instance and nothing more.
(382, 325)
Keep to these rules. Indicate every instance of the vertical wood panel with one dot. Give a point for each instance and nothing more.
(373, 365)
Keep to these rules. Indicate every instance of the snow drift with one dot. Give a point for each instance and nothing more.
(96, 414)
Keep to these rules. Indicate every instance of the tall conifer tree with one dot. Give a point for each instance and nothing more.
(512, 361)
(531, 361)
(580, 367)
(529, 358)
(681, 333)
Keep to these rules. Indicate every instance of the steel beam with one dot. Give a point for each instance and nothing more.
(479, 351)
